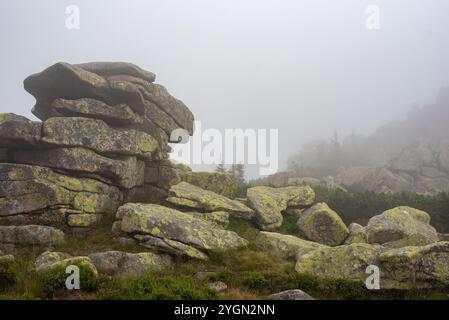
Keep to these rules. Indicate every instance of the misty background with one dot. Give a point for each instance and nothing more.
(308, 68)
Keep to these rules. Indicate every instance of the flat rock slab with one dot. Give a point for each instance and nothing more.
(186, 195)
(165, 223)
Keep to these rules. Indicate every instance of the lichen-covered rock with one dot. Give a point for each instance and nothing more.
(12, 237)
(321, 224)
(415, 267)
(342, 262)
(31, 189)
(165, 223)
(118, 115)
(400, 227)
(125, 171)
(269, 203)
(113, 83)
(217, 218)
(17, 131)
(82, 220)
(213, 181)
(189, 196)
(129, 264)
(295, 294)
(172, 247)
(48, 258)
(287, 246)
(97, 135)
(357, 234)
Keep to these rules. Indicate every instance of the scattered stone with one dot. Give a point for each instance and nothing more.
(186, 195)
(269, 203)
(323, 225)
(48, 258)
(400, 227)
(216, 182)
(218, 286)
(129, 264)
(295, 294)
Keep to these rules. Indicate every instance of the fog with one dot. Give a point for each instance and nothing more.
(307, 68)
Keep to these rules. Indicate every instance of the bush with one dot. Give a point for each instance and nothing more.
(8, 273)
(53, 281)
(156, 286)
(254, 280)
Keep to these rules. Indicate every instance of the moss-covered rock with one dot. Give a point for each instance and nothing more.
(321, 224)
(342, 262)
(129, 264)
(189, 196)
(269, 203)
(287, 246)
(166, 223)
(82, 220)
(357, 234)
(400, 227)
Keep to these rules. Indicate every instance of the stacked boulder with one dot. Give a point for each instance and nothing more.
(103, 141)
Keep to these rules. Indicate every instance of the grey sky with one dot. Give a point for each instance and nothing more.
(305, 67)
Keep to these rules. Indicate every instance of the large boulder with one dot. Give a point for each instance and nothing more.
(400, 227)
(113, 83)
(17, 131)
(43, 237)
(269, 203)
(129, 264)
(173, 225)
(287, 246)
(323, 225)
(124, 171)
(186, 195)
(342, 262)
(415, 267)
